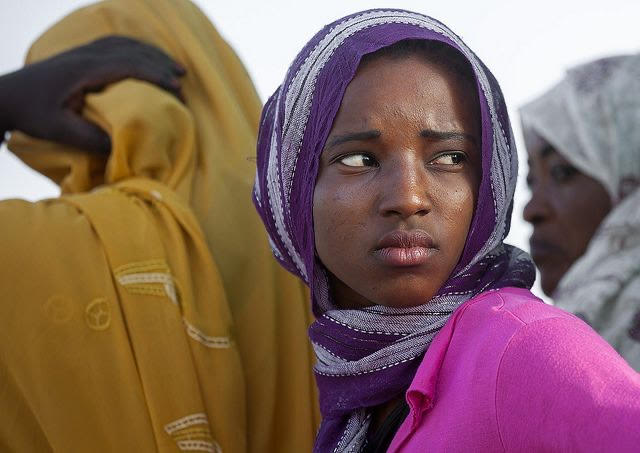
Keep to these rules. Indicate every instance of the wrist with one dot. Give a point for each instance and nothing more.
(8, 107)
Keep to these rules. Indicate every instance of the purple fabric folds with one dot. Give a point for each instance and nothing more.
(365, 357)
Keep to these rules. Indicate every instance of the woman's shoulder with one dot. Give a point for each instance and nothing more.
(530, 367)
(511, 332)
(496, 323)
(510, 329)
(511, 309)
(506, 335)
(559, 374)
(547, 365)
(519, 302)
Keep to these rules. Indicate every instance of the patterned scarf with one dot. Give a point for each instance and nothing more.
(366, 357)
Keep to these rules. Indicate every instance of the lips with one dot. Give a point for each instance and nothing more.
(403, 248)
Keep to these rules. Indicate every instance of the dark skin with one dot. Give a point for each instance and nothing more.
(403, 155)
(565, 210)
(45, 99)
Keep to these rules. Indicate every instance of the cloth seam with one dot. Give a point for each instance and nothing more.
(524, 325)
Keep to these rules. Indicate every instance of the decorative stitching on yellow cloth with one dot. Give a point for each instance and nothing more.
(199, 418)
(151, 277)
(191, 433)
(196, 445)
(208, 341)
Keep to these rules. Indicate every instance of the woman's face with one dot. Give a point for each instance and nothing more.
(397, 184)
(565, 209)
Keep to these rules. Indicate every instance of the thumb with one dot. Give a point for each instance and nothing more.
(80, 133)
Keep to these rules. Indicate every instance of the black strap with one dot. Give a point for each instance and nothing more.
(381, 439)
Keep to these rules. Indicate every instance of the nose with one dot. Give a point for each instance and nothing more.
(405, 189)
(537, 209)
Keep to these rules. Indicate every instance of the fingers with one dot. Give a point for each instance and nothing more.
(122, 57)
(75, 131)
(155, 74)
(50, 94)
(123, 43)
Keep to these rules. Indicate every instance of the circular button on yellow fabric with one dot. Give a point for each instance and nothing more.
(98, 314)
(58, 308)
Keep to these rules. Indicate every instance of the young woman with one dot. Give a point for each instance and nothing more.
(584, 154)
(386, 172)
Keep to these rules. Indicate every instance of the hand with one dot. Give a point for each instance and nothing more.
(45, 99)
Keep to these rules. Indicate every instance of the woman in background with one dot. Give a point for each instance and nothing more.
(583, 143)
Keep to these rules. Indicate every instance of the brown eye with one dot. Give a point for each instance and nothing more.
(563, 172)
(451, 158)
(358, 160)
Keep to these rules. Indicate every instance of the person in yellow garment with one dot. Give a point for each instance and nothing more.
(142, 310)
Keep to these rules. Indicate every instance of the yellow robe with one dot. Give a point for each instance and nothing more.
(142, 310)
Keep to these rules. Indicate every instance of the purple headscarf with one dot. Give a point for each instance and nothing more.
(366, 357)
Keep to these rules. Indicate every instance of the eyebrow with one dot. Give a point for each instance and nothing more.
(354, 136)
(425, 133)
(447, 135)
(544, 153)
(547, 151)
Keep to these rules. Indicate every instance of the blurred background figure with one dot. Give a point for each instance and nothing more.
(142, 310)
(583, 143)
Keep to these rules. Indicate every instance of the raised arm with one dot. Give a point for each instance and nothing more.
(45, 99)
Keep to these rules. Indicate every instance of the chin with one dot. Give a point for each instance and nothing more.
(551, 272)
(408, 289)
(548, 284)
(405, 299)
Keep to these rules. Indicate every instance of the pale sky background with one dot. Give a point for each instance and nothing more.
(527, 45)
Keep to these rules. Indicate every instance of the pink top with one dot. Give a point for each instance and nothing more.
(510, 373)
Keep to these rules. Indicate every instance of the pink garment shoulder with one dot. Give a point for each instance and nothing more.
(510, 373)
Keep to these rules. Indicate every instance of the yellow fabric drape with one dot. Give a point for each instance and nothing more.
(142, 310)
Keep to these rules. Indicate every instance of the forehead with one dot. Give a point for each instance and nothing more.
(536, 144)
(408, 86)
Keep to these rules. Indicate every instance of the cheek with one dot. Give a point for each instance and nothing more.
(333, 213)
(582, 209)
(321, 220)
(458, 204)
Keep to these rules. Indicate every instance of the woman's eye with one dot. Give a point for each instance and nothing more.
(358, 160)
(453, 158)
(563, 173)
